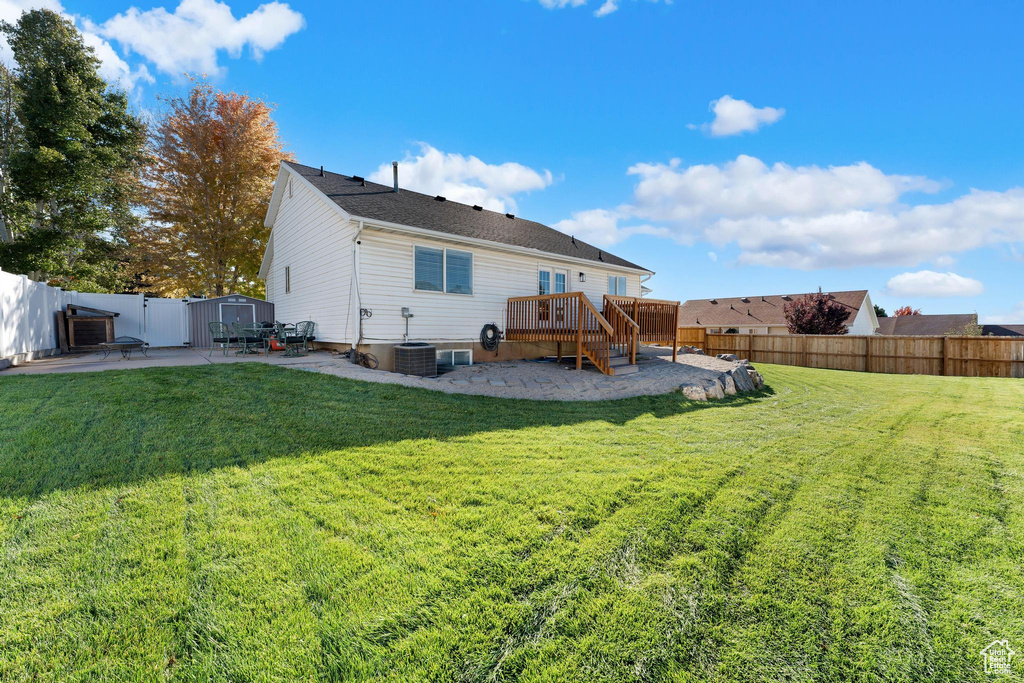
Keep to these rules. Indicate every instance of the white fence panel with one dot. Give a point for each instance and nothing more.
(132, 319)
(28, 316)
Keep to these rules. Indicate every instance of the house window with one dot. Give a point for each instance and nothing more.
(429, 269)
(544, 282)
(559, 283)
(287, 279)
(455, 357)
(458, 272)
(617, 285)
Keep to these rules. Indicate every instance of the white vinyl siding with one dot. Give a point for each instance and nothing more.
(387, 285)
(315, 243)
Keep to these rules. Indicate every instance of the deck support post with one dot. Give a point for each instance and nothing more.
(558, 345)
(579, 334)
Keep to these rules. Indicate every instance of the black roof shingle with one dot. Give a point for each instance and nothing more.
(372, 201)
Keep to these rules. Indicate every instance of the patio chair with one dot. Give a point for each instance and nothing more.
(254, 338)
(291, 342)
(305, 330)
(222, 335)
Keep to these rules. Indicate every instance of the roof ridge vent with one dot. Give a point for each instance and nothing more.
(510, 215)
(477, 207)
(359, 179)
(745, 300)
(714, 301)
(440, 198)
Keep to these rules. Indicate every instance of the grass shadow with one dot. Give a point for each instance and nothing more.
(122, 427)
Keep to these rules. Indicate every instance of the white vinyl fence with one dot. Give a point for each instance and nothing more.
(28, 316)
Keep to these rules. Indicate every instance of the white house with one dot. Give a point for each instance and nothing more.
(374, 266)
(766, 314)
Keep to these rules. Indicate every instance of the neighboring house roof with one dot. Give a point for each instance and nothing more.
(364, 199)
(754, 310)
(1003, 330)
(925, 324)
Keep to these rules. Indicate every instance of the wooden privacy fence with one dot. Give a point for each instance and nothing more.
(953, 356)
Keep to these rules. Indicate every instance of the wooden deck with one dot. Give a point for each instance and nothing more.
(609, 338)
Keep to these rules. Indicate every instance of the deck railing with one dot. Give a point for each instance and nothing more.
(568, 317)
(626, 335)
(658, 319)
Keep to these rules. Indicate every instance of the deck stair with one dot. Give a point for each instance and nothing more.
(608, 338)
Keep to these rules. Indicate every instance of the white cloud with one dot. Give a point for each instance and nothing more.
(113, 68)
(190, 38)
(713, 256)
(1014, 317)
(814, 217)
(606, 8)
(928, 283)
(733, 117)
(601, 227)
(465, 179)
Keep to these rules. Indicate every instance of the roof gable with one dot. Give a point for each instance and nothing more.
(371, 201)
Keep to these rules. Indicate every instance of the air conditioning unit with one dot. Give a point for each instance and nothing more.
(416, 358)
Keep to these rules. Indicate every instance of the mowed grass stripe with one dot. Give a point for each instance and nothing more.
(249, 522)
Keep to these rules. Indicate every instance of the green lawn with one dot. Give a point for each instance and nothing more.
(246, 522)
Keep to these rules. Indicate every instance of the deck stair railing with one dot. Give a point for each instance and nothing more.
(658, 318)
(567, 317)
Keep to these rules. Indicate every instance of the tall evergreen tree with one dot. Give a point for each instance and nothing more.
(77, 161)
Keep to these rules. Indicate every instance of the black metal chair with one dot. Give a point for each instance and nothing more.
(221, 335)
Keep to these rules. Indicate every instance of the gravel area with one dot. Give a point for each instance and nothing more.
(536, 380)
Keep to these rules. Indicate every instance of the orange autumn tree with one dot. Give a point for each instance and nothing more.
(214, 159)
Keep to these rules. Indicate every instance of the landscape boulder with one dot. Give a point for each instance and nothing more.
(693, 392)
(728, 356)
(4, 363)
(741, 376)
(714, 389)
(728, 383)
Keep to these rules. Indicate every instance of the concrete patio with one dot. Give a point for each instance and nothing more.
(536, 380)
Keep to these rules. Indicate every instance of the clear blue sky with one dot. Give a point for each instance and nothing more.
(926, 97)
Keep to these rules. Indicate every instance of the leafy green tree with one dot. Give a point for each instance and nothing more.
(75, 163)
(880, 312)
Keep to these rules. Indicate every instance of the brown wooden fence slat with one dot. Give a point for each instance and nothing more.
(954, 356)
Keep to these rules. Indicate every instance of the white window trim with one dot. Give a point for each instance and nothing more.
(454, 351)
(444, 270)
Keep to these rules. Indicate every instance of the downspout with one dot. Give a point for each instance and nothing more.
(358, 308)
(642, 281)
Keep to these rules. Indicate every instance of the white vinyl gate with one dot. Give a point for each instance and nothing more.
(167, 322)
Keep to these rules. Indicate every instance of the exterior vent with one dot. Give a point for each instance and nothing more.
(477, 207)
(714, 301)
(415, 358)
(745, 300)
(359, 179)
(440, 198)
(510, 215)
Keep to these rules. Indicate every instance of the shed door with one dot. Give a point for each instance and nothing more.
(244, 314)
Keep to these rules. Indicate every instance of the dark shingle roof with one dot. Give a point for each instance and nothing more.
(381, 202)
(754, 310)
(1003, 330)
(912, 325)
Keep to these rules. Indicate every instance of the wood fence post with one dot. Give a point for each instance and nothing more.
(867, 354)
(945, 356)
(803, 350)
(750, 347)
